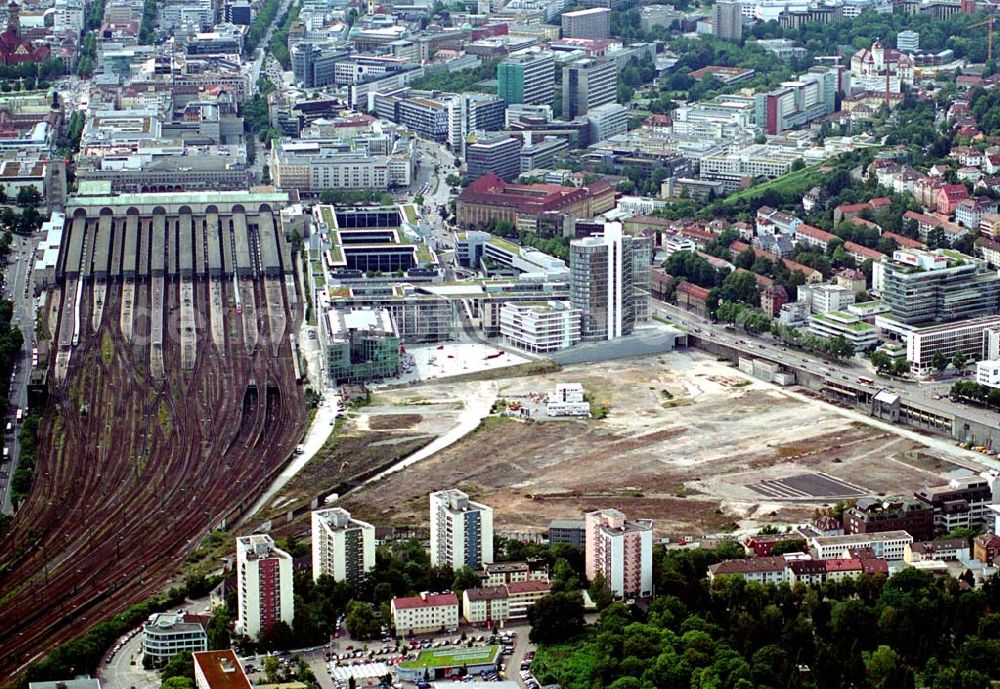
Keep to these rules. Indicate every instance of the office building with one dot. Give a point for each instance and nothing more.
(795, 103)
(937, 287)
(568, 531)
(607, 121)
(473, 112)
(889, 545)
(862, 336)
(908, 41)
(167, 633)
(342, 547)
(527, 78)
(264, 586)
(594, 23)
(988, 373)
(360, 345)
(219, 670)
(490, 199)
(872, 515)
(461, 531)
(621, 551)
(968, 337)
(606, 280)
(313, 62)
(727, 20)
(586, 84)
(499, 154)
(540, 326)
(309, 166)
(962, 503)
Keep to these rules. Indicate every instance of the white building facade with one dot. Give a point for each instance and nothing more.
(342, 547)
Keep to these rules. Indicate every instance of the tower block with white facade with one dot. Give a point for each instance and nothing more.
(342, 547)
(461, 530)
(621, 551)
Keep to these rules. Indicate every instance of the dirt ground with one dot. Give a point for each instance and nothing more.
(685, 437)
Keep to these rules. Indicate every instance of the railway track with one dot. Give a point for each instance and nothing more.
(132, 471)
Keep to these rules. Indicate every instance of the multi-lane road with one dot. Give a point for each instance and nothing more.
(17, 288)
(930, 393)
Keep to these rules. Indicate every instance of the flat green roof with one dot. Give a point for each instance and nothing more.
(857, 327)
(454, 656)
(502, 243)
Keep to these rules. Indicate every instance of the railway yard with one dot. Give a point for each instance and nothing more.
(174, 396)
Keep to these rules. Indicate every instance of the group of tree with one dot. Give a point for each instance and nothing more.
(976, 393)
(88, 56)
(557, 246)
(266, 13)
(256, 117)
(887, 365)
(865, 633)
(148, 26)
(459, 81)
(279, 39)
(355, 197)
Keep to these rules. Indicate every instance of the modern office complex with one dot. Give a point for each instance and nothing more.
(342, 547)
(527, 78)
(360, 345)
(461, 530)
(167, 633)
(499, 154)
(922, 287)
(604, 275)
(586, 84)
(590, 23)
(540, 326)
(263, 586)
(621, 551)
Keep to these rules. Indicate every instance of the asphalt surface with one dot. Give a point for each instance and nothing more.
(18, 289)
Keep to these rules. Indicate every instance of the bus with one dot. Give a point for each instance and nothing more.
(19, 416)
(865, 380)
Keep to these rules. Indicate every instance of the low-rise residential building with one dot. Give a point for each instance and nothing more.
(486, 606)
(521, 595)
(167, 633)
(946, 549)
(986, 548)
(501, 573)
(424, 614)
(762, 570)
(887, 545)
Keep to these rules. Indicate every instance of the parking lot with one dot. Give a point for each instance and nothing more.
(369, 664)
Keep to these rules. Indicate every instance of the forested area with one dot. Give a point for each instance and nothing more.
(912, 629)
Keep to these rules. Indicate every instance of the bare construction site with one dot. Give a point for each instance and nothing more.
(173, 397)
(689, 442)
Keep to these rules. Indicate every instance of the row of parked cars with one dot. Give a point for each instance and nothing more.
(121, 643)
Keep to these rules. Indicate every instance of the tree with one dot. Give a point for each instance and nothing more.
(939, 362)
(180, 665)
(28, 196)
(178, 683)
(556, 618)
(272, 668)
(881, 361)
(881, 663)
(600, 592)
(465, 578)
(901, 366)
(361, 621)
(959, 361)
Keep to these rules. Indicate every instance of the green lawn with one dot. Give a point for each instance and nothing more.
(411, 214)
(453, 656)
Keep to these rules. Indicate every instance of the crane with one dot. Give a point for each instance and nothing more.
(989, 45)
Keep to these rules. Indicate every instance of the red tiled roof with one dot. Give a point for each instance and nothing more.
(815, 232)
(880, 202)
(529, 586)
(853, 248)
(693, 290)
(852, 207)
(750, 564)
(529, 198)
(902, 241)
(429, 600)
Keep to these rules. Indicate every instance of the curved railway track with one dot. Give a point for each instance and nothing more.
(132, 472)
